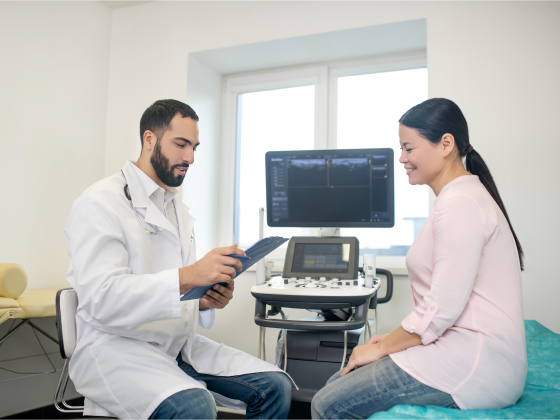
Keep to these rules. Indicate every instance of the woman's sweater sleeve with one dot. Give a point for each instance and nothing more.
(460, 232)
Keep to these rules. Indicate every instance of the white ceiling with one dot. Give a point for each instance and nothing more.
(125, 3)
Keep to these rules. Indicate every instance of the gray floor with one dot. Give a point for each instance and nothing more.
(298, 411)
(34, 384)
(29, 392)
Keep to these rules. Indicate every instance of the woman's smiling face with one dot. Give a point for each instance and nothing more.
(422, 159)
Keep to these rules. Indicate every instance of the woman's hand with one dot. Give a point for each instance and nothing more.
(364, 355)
(377, 338)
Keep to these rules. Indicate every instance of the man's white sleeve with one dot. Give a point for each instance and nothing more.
(206, 318)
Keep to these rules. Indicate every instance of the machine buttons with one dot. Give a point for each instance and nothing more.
(347, 283)
(308, 279)
(322, 279)
(355, 282)
(311, 285)
(285, 281)
(340, 283)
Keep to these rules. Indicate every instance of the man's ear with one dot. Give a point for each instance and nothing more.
(447, 144)
(149, 140)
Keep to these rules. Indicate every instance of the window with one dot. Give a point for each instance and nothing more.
(369, 107)
(280, 119)
(340, 105)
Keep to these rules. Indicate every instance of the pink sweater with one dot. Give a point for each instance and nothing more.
(466, 286)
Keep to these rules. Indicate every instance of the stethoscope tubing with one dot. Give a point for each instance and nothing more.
(129, 198)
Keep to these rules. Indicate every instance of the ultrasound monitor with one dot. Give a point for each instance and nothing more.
(330, 188)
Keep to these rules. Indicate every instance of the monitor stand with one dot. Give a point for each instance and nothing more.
(329, 232)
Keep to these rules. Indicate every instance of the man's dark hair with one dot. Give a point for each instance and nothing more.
(158, 116)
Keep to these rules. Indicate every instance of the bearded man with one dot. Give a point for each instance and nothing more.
(132, 246)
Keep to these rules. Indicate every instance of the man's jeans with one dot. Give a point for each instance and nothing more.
(267, 394)
(378, 386)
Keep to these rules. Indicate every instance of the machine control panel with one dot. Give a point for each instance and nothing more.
(314, 286)
(319, 270)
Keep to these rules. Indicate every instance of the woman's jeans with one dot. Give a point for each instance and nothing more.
(267, 394)
(378, 386)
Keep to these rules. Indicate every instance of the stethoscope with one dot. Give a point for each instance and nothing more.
(129, 198)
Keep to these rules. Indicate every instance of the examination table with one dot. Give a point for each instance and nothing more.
(541, 396)
(18, 303)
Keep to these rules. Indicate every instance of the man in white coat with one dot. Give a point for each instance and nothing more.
(132, 247)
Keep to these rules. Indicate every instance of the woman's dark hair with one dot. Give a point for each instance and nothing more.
(158, 116)
(434, 118)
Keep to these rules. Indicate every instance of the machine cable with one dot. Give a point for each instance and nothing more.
(285, 337)
(346, 341)
(344, 354)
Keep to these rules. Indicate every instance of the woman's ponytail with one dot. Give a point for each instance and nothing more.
(476, 166)
(434, 118)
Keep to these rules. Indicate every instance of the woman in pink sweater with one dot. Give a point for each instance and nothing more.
(463, 346)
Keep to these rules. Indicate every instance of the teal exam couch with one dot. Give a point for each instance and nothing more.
(541, 396)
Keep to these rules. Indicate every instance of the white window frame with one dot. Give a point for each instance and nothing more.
(325, 79)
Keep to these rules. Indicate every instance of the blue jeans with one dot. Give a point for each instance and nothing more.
(372, 388)
(267, 394)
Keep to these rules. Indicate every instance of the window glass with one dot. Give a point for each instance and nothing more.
(369, 107)
(272, 120)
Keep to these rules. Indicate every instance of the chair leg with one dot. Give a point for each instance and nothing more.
(71, 407)
(61, 387)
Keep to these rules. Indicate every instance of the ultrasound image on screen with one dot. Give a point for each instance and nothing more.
(351, 172)
(307, 172)
(379, 160)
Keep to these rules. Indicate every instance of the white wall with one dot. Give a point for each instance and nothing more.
(54, 70)
(500, 62)
(205, 96)
(53, 94)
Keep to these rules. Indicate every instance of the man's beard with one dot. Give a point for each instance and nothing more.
(164, 172)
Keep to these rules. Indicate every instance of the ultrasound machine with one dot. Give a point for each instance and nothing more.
(327, 189)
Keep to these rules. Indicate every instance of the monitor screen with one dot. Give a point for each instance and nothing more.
(330, 188)
(313, 256)
(321, 258)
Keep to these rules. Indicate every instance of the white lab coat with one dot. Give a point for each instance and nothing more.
(131, 324)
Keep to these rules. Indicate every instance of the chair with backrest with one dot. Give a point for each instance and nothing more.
(66, 308)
